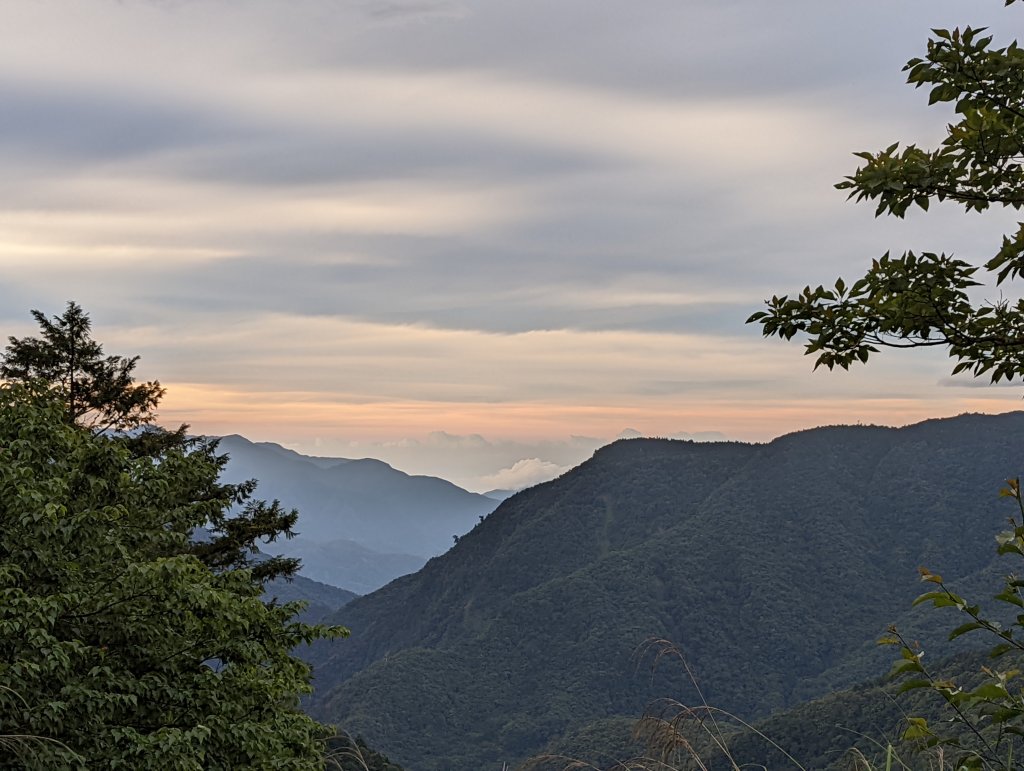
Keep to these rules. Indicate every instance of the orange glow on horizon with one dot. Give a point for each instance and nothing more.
(298, 416)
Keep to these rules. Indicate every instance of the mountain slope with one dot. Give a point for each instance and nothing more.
(770, 565)
(322, 599)
(823, 734)
(361, 522)
(344, 561)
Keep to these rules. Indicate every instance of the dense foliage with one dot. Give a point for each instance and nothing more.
(984, 703)
(774, 567)
(99, 394)
(119, 648)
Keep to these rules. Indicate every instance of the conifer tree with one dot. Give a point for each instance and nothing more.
(101, 396)
(99, 392)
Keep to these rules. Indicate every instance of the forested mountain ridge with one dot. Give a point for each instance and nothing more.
(769, 565)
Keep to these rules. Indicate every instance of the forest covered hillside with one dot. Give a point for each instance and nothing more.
(772, 567)
(852, 728)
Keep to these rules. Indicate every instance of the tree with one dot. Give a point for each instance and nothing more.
(923, 300)
(119, 648)
(100, 395)
(99, 392)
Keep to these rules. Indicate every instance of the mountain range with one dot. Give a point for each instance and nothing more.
(361, 522)
(771, 567)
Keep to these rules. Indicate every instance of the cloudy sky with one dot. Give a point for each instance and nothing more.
(475, 239)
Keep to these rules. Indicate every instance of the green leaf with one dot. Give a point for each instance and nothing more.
(917, 728)
(964, 629)
(911, 685)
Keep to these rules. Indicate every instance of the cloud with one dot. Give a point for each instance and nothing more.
(968, 382)
(414, 11)
(445, 232)
(523, 473)
(700, 436)
(59, 125)
(445, 440)
(691, 436)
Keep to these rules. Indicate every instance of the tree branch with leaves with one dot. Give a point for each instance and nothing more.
(919, 300)
(922, 299)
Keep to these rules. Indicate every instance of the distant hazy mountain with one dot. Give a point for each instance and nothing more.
(773, 567)
(346, 563)
(323, 599)
(361, 522)
(500, 495)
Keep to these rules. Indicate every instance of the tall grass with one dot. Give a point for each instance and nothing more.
(21, 746)
(696, 737)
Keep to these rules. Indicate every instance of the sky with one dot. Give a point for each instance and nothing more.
(473, 239)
